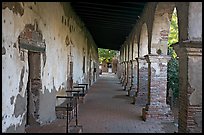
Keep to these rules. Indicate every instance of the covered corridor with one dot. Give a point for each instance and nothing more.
(107, 109)
(50, 48)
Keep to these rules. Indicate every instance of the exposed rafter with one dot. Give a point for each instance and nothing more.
(109, 22)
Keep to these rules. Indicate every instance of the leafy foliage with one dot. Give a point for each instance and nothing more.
(106, 54)
(173, 65)
(172, 74)
(173, 36)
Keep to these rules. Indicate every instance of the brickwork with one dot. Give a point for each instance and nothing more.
(110, 113)
(157, 107)
(125, 75)
(135, 80)
(190, 94)
(141, 97)
(134, 77)
(130, 78)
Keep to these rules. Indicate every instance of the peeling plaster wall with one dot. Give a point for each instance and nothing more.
(11, 72)
(195, 21)
(195, 79)
(48, 16)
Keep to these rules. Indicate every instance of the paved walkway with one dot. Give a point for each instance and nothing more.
(107, 109)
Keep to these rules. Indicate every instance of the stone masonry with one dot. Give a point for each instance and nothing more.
(130, 77)
(134, 89)
(156, 107)
(190, 94)
(141, 96)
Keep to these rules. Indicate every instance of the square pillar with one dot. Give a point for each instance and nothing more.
(130, 78)
(119, 70)
(123, 72)
(126, 75)
(156, 107)
(133, 89)
(190, 86)
(142, 81)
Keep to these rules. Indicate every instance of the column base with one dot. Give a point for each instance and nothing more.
(128, 88)
(132, 91)
(154, 112)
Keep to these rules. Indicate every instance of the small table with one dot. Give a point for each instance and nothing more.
(68, 106)
(71, 91)
(82, 87)
(86, 84)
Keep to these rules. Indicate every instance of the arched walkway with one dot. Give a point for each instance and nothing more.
(107, 109)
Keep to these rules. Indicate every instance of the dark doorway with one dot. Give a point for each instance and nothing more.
(33, 87)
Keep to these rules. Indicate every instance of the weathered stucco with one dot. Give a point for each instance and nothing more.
(67, 40)
(195, 21)
(60, 29)
(195, 79)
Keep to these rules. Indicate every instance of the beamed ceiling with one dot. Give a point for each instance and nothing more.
(109, 23)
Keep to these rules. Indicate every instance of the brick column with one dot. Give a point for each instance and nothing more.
(142, 78)
(119, 70)
(119, 73)
(190, 86)
(122, 72)
(126, 75)
(128, 83)
(133, 89)
(130, 78)
(156, 107)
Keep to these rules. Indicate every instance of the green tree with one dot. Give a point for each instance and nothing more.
(173, 66)
(106, 54)
(173, 35)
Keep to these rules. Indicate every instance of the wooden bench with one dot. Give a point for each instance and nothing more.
(69, 105)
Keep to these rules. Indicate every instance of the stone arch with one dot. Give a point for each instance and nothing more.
(130, 50)
(123, 52)
(134, 65)
(126, 51)
(135, 46)
(189, 20)
(195, 21)
(161, 26)
(142, 67)
(143, 43)
(129, 64)
(182, 13)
